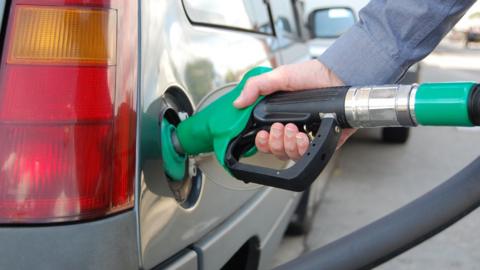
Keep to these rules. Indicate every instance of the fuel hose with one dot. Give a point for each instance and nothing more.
(402, 229)
(427, 104)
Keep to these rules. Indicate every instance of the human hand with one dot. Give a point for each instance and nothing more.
(287, 141)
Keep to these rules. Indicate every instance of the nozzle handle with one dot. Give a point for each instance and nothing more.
(297, 177)
(302, 107)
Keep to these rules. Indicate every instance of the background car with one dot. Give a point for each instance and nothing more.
(328, 20)
(472, 35)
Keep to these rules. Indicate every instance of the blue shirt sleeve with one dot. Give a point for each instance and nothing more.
(390, 36)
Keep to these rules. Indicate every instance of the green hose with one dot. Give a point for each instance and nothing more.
(443, 104)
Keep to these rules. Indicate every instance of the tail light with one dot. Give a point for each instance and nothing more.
(67, 110)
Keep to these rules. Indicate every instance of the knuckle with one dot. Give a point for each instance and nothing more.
(250, 87)
(276, 147)
(263, 149)
(250, 83)
(290, 148)
(302, 149)
(294, 156)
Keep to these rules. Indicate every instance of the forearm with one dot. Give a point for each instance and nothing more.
(390, 36)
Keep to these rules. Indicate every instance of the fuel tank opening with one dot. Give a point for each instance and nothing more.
(174, 163)
(183, 178)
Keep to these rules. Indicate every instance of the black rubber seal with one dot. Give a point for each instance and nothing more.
(474, 105)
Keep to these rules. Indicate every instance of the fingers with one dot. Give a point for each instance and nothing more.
(302, 143)
(276, 141)
(290, 141)
(283, 141)
(261, 141)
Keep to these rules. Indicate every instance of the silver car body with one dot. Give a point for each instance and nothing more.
(160, 232)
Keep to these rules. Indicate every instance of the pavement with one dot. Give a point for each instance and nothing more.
(372, 179)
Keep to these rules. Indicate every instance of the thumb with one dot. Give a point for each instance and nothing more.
(263, 84)
(300, 76)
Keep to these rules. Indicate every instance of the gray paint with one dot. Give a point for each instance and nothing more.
(265, 217)
(105, 244)
(138, 132)
(187, 261)
(171, 48)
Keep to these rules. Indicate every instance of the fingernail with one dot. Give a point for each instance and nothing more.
(262, 139)
(289, 133)
(239, 100)
(301, 139)
(277, 133)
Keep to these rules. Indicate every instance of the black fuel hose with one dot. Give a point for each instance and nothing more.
(402, 229)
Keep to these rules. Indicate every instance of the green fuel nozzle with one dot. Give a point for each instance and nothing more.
(230, 132)
(209, 130)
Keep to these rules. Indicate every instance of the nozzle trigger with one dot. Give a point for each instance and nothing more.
(295, 178)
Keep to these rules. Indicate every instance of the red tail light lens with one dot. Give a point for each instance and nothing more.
(67, 110)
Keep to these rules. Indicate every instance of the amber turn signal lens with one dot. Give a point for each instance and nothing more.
(63, 35)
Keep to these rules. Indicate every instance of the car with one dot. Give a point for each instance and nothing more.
(328, 20)
(83, 85)
(472, 35)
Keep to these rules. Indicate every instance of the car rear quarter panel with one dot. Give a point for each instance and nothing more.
(172, 49)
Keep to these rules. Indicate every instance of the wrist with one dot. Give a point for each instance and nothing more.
(326, 76)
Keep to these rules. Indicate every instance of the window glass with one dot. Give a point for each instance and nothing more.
(331, 23)
(244, 14)
(284, 18)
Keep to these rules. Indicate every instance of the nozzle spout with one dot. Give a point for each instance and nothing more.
(212, 128)
(176, 144)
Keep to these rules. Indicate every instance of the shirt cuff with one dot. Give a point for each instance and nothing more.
(357, 60)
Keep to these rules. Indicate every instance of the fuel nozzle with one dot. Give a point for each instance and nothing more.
(230, 132)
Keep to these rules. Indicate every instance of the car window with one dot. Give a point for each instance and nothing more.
(332, 22)
(251, 15)
(284, 18)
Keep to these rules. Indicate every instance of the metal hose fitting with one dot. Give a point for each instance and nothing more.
(380, 106)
